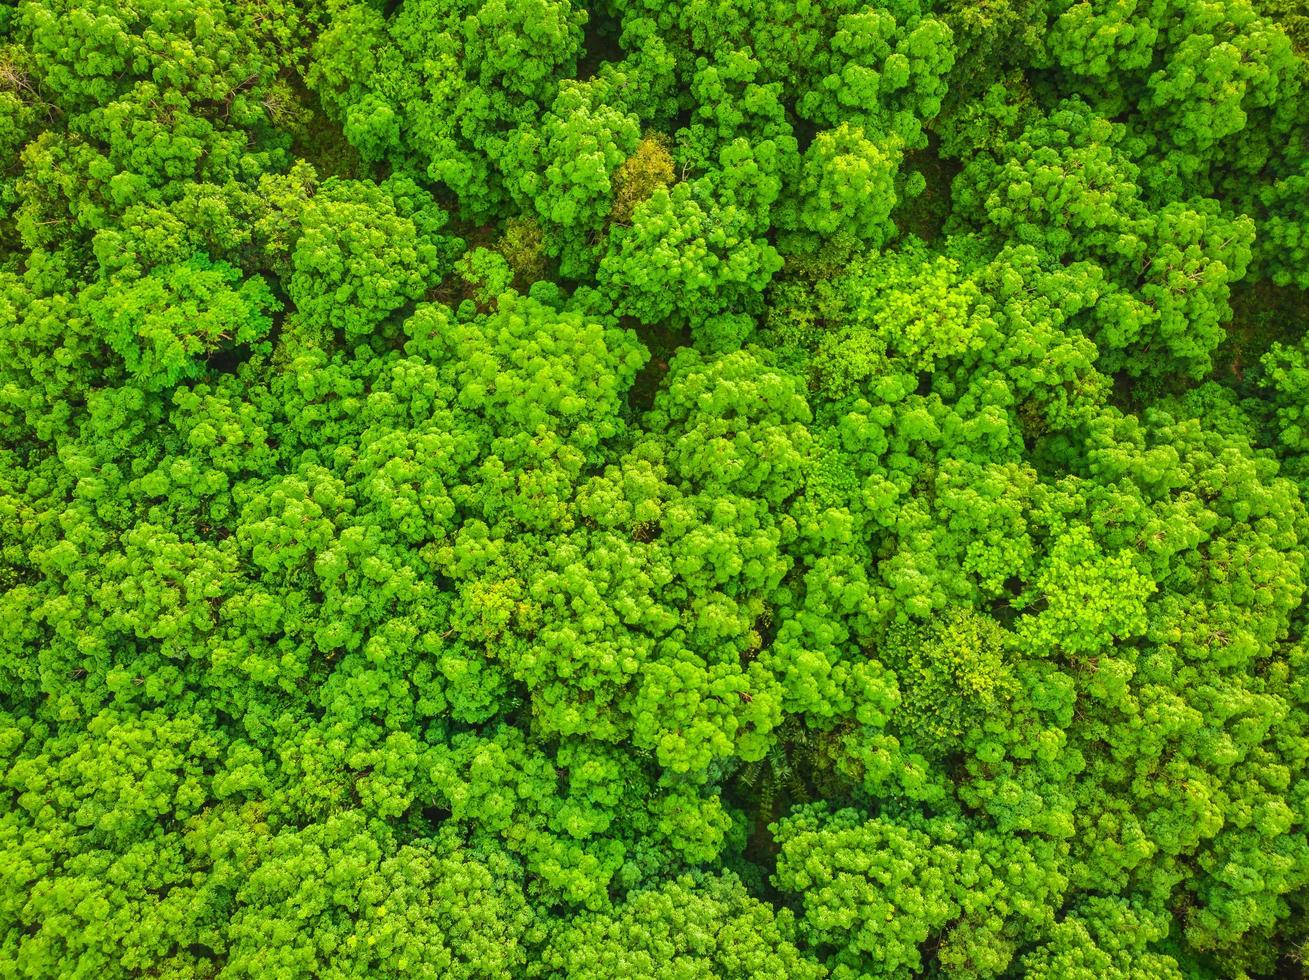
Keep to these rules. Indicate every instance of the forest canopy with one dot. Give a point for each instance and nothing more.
(542, 488)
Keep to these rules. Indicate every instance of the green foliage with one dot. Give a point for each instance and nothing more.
(439, 86)
(649, 168)
(682, 258)
(884, 72)
(1066, 186)
(951, 675)
(163, 325)
(364, 251)
(1104, 937)
(873, 890)
(532, 488)
(689, 927)
(847, 190)
(566, 166)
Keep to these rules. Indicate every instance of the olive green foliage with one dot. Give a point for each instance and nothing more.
(546, 488)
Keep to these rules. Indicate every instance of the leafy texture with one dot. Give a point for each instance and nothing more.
(545, 488)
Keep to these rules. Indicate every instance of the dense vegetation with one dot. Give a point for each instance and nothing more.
(525, 488)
